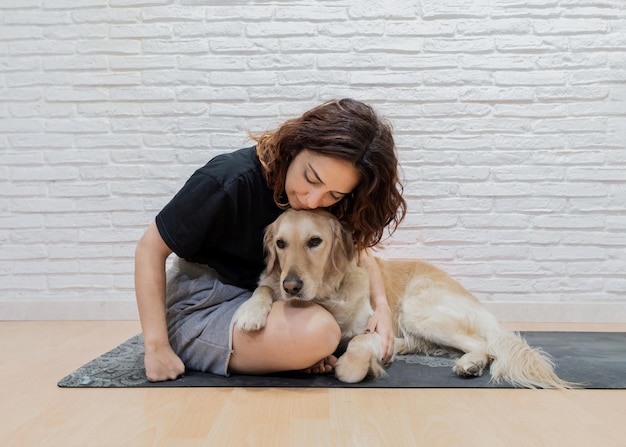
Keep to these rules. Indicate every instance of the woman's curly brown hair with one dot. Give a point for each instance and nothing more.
(348, 130)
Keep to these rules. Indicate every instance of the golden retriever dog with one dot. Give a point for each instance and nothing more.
(311, 258)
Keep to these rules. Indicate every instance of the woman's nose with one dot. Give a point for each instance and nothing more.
(314, 200)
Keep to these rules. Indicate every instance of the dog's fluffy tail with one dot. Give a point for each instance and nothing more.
(521, 365)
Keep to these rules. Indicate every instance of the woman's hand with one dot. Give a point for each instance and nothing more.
(162, 364)
(381, 323)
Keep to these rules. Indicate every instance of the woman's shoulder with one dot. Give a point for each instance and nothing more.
(232, 165)
(233, 171)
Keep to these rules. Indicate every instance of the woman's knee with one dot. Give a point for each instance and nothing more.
(295, 337)
(314, 328)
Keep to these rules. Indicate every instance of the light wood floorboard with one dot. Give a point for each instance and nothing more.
(35, 412)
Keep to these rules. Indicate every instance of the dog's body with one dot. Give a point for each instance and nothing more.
(311, 258)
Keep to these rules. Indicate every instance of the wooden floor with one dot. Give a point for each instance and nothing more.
(34, 412)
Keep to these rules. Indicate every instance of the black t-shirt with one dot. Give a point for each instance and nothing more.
(219, 216)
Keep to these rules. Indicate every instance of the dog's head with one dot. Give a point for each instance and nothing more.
(308, 252)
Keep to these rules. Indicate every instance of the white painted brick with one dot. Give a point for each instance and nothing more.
(399, 9)
(204, 30)
(246, 46)
(386, 45)
(72, 4)
(443, 110)
(468, 45)
(423, 61)
(530, 78)
(107, 141)
(617, 60)
(31, 283)
(26, 268)
(243, 78)
(531, 110)
(571, 94)
(509, 119)
(385, 78)
(106, 15)
(108, 47)
(278, 62)
(121, 125)
(192, 46)
(352, 28)
(79, 190)
(492, 62)
(113, 173)
(140, 62)
(76, 32)
(421, 29)
(532, 44)
(168, 77)
(495, 94)
(572, 61)
(34, 252)
(256, 12)
(442, 9)
(280, 29)
(211, 93)
(617, 174)
(44, 174)
(27, 237)
(16, 189)
(571, 26)
(18, 32)
(474, 27)
(172, 13)
(602, 43)
(82, 220)
(602, 76)
(457, 77)
(62, 282)
(312, 12)
(40, 18)
(573, 253)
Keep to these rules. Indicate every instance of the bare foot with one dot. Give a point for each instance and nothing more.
(324, 366)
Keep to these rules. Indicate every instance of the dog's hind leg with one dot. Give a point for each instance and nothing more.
(362, 356)
(474, 358)
(432, 321)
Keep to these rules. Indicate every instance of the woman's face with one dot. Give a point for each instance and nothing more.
(318, 181)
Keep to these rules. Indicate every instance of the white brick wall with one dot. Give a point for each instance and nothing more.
(510, 118)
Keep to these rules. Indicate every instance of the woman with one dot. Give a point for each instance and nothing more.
(340, 156)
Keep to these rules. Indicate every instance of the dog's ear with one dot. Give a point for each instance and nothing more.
(343, 249)
(271, 260)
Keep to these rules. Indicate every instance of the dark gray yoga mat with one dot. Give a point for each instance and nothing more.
(596, 359)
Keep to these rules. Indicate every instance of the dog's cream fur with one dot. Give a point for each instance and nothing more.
(311, 258)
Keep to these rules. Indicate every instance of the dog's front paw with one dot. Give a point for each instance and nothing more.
(252, 315)
(362, 357)
(351, 368)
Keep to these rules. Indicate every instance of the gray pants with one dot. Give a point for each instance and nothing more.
(199, 312)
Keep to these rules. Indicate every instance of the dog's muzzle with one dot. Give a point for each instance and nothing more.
(292, 285)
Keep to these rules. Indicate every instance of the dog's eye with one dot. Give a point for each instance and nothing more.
(314, 242)
(280, 244)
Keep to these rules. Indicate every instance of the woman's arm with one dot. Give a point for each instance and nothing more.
(161, 361)
(381, 322)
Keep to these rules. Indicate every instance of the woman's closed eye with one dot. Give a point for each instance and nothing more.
(334, 195)
(309, 180)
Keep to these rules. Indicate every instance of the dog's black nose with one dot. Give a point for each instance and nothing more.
(292, 286)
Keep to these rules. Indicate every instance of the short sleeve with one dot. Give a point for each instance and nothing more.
(197, 216)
